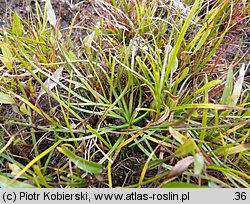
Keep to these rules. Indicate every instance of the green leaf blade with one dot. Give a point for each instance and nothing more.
(88, 166)
(17, 28)
(227, 93)
(6, 99)
(6, 182)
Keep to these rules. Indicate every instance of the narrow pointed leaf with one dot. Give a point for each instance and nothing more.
(182, 77)
(208, 86)
(17, 28)
(227, 93)
(177, 135)
(6, 182)
(88, 166)
(186, 148)
(15, 170)
(239, 148)
(177, 184)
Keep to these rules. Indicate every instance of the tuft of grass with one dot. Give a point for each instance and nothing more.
(139, 102)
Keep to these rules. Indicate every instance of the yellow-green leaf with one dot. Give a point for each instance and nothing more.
(208, 106)
(177, 184)
(6, 182)
(227, 93)
(88, 40)
(15, 170)
(177, 135)
(238, 148)
(185, 149)
(17, 28)
(6, 56)
(182, 77)
(6, 99)
(88, 166)
(24, 110)
(175, 62)
(203, 38)
(208, 86)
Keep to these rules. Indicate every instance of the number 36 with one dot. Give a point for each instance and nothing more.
(240, 196)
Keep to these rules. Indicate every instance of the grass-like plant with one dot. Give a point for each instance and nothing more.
(140, 102)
